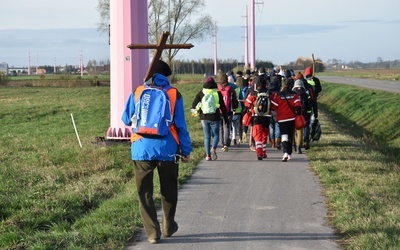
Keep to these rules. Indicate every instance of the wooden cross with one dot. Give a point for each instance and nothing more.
(313, 64)
(159, 48)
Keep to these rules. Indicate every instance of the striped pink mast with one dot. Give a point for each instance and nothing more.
(55, 67)
(81, 61)
(215, 50)
(29, 62)
(128, 24)
(37, 64)
(246, 40)
(252, 38)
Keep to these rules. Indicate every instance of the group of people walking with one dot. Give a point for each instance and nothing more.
(263, 104)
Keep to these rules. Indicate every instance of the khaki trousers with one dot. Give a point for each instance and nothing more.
(168, 174)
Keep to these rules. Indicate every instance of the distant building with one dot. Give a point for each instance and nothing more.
(41, 71)
(4, 68)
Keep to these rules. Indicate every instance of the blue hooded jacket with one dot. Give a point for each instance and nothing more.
(161, 148)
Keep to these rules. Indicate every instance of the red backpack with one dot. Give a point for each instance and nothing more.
(226, 92)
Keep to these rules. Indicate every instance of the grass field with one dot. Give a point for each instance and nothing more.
(380, 74)
(56, 195)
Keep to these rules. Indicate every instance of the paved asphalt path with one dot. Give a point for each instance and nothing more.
(238, 202)
(390, 86)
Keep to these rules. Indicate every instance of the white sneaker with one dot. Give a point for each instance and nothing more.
(289, 157)
(285, 157)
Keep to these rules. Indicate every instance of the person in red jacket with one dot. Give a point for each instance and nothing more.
(287, 105)
(260, 118)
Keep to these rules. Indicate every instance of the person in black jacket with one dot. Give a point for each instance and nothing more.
(210, 122)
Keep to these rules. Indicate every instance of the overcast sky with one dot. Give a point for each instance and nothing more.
(349, 30)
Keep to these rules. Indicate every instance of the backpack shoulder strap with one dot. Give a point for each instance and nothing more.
(173, 96)
(138, 91)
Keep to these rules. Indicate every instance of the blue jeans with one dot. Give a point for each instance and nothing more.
(210, 129)
(235, 126)
(274, 131)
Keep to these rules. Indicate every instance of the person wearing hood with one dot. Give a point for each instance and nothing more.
(231, 104)
(149, 153)
(260, 120)
(210, 120)
(306, 111)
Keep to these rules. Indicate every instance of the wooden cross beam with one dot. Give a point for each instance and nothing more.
(159, 49)
(313, 64)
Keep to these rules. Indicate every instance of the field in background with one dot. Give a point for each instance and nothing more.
(380, 74)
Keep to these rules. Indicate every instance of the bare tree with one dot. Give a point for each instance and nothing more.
(182, 18)
(103, 7)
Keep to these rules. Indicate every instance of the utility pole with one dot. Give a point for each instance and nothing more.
(215, 50)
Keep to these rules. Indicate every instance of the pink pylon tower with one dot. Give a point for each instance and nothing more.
(128, 25)
(246, 40)
(55, 67)
(252, 38)
(81, 61)
(37, 64)
(29, 62)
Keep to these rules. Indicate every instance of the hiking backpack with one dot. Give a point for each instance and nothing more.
(153, 114)
(209, 102)
(262, 106)
(316, 130)
(227, 95)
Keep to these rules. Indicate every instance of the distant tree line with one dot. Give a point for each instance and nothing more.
(206, 66)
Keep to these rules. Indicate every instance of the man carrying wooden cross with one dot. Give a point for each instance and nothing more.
(161, 152)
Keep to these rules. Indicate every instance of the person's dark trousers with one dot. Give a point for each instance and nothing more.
(168, 173)
(225, 130)
(241, 127)
(287, 129)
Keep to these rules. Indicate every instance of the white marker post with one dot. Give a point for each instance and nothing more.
(76, 131)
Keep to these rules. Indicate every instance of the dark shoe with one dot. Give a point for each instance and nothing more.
(299, 151)
(259, 157)
(214, 155)
(234, 142)
(173, 230)
(306, 146)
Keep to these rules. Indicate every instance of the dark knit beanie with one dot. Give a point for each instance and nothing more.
(210, 83)
(162, 68)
